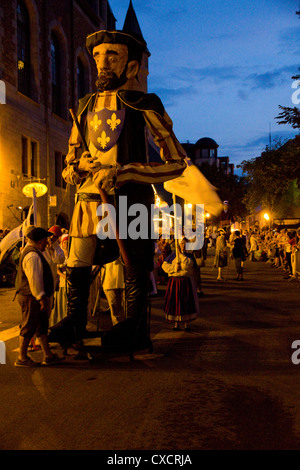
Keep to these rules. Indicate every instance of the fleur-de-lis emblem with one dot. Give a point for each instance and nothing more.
(113, 122)
(103, 140)
(95, 123)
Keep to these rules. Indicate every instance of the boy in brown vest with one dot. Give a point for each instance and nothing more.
(34, 290)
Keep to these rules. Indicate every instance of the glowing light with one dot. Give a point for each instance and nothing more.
(266, 216)
(207, 215)
(40, 189)
(158, 202)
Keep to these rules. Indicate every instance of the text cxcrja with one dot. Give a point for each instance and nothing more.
(135, 222)
(2, 353)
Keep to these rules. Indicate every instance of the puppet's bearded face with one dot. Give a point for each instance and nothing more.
(111, 62)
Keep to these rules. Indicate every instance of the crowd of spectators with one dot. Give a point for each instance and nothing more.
(278, 247)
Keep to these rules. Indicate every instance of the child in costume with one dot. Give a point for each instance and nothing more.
(181, 301)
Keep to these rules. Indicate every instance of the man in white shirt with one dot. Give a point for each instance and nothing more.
(34, 289)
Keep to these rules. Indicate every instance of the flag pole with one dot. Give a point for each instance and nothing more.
(175, 227)
(34, 206)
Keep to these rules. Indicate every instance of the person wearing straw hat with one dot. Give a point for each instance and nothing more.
(114, 122)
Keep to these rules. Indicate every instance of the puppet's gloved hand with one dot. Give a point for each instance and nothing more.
(88, 164)
(106, 178)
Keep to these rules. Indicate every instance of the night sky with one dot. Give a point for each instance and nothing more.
(221, 68)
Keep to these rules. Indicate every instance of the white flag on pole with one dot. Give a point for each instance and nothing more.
(14, 236)
(195, 188)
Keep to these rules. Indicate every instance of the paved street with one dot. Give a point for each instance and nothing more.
(229, 384)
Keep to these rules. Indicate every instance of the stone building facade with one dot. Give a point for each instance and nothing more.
(205, 150)
(45, 68)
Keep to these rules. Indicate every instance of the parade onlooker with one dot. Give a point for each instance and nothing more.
(220, 260)
(59, 310)
(253, 246)
(54, 254)
(238, 254)
(289, 244)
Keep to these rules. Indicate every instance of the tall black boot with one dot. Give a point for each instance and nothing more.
(132, 333)
(137, 283)
(78, 287)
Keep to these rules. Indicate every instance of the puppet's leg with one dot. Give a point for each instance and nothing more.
(137, 281)
(78, 286)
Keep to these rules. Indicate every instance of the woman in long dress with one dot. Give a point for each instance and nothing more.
(181, 300)
(60, 298)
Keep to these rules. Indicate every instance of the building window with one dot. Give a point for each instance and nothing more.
(33, 159)
(55, 75)
(212, 153)
(23, 46)
(29, 157)
(81, 79)
(24, 156)
(59, 166)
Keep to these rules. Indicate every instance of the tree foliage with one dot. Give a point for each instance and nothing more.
(230, 187)
(272, 177)
(288, 115)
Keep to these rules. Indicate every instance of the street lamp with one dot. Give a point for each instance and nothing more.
(268, 221)
(34, 190)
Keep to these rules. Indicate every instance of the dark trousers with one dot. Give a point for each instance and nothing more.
(34, 320)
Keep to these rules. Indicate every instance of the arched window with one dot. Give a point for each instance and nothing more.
(23, 53)
(55, 75)
(81, 79)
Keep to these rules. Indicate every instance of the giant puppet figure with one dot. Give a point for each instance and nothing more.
(115, 120)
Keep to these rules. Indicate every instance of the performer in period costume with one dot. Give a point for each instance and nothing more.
(35, 290)
(115, 123)
(181, 300)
